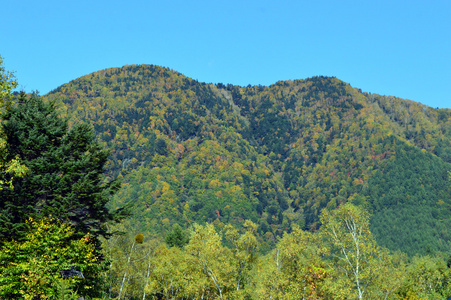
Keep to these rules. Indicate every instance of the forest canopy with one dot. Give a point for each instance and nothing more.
(278, 155)
(302, 189)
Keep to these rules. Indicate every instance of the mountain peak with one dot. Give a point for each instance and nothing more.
(191, 152)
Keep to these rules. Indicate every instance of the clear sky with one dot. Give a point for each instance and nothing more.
(388, 47)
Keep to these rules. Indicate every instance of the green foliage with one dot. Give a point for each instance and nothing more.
(192, 152)
(329, 264)
(31, 268)
(244, 248)
(359, 264)
(294, 270)
(63, 290)
(204, 268)
(11, 166)
(65, 171)
(278, 155)
(177, 237)
(427, 278)
(214, 261)
(7, 83)
(410, 198)
(170, 275)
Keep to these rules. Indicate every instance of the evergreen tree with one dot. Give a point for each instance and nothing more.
(65, 171)
(177, 237)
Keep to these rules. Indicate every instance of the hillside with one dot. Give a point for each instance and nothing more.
(194, 152)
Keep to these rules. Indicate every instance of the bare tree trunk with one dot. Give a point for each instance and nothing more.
(125, 273)
(147, 279)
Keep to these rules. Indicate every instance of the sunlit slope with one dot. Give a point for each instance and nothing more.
(194, 152)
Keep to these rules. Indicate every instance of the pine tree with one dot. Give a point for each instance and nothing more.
(65, 171)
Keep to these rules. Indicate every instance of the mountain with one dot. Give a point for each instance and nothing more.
(193, 152)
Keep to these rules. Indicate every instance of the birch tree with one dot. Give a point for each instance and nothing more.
(244, 250)
(168, 274)
(294, 270)
(216, 262)
(354, 255)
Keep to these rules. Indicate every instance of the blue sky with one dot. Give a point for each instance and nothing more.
(398, 48)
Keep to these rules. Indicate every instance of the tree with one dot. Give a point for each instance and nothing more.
(12, 167)
(49, 259)
(359, 264)
(177, 237)
(171, 276)
(294, 270)
(130, 261)
(427, 278)
(7, 82)
(244, 251)
(65, 177)
(139, 238)
(215, 261)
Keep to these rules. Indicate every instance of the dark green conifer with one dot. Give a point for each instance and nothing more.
(177, 237)
(65, 177)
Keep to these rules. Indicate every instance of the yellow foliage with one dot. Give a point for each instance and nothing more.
(166, 187)
(214, 184)
(139, 238)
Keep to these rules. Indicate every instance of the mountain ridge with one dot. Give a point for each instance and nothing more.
(279, 154)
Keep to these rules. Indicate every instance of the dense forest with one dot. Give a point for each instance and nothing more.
(305, 189)
(193, 152)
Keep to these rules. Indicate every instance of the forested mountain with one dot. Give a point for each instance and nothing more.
(193, 152)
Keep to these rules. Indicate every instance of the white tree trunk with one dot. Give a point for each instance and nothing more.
(125, 273)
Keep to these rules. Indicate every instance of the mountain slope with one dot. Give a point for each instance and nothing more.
(193, 152)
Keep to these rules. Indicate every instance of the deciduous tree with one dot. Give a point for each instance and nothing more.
(10, 166)
(357, 260)
(294, 270)
(34, 268)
